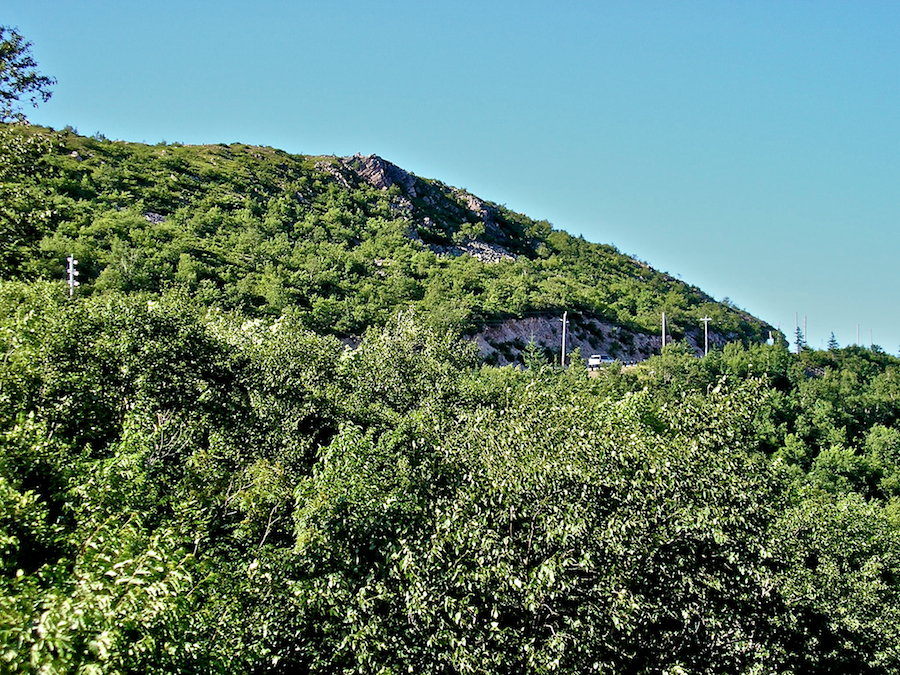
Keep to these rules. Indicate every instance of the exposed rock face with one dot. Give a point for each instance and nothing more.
(485, 211)
(502, 342)
(488, 253)
(334, 171)
(380, 173)
(476, 206)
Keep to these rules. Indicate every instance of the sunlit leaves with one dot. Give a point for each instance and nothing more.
(186, 489)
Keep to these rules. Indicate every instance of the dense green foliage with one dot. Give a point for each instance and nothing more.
(198, 476)
(19, 76)
(186, 489)
(259, 230)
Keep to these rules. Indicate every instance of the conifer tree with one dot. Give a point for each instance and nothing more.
(799, 339)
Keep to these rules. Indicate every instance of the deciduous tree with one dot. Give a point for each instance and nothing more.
(19, 76)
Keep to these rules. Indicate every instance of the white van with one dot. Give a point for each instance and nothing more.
(597, 360)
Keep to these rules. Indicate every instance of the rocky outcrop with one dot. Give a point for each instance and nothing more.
(487, 253)
(486, 212)
(451, 208)
(502, 342)
(480, 208)
(335, 172)
(381, 174)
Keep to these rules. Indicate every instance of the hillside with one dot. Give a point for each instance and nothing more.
(197, 475)
(346, 242)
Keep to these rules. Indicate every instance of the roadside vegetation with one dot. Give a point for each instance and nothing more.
(189, 489)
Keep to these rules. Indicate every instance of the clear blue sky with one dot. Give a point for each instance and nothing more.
(751, 147)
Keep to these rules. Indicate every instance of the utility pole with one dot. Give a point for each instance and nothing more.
(565, 323)
(706, 321)
(663, 332)
(71, 273)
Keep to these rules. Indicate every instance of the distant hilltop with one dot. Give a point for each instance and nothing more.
(345, 242)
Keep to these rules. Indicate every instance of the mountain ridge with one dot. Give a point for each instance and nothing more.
(503, 342)
(345, 241)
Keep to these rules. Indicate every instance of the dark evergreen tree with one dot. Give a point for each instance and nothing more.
(799, 339)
